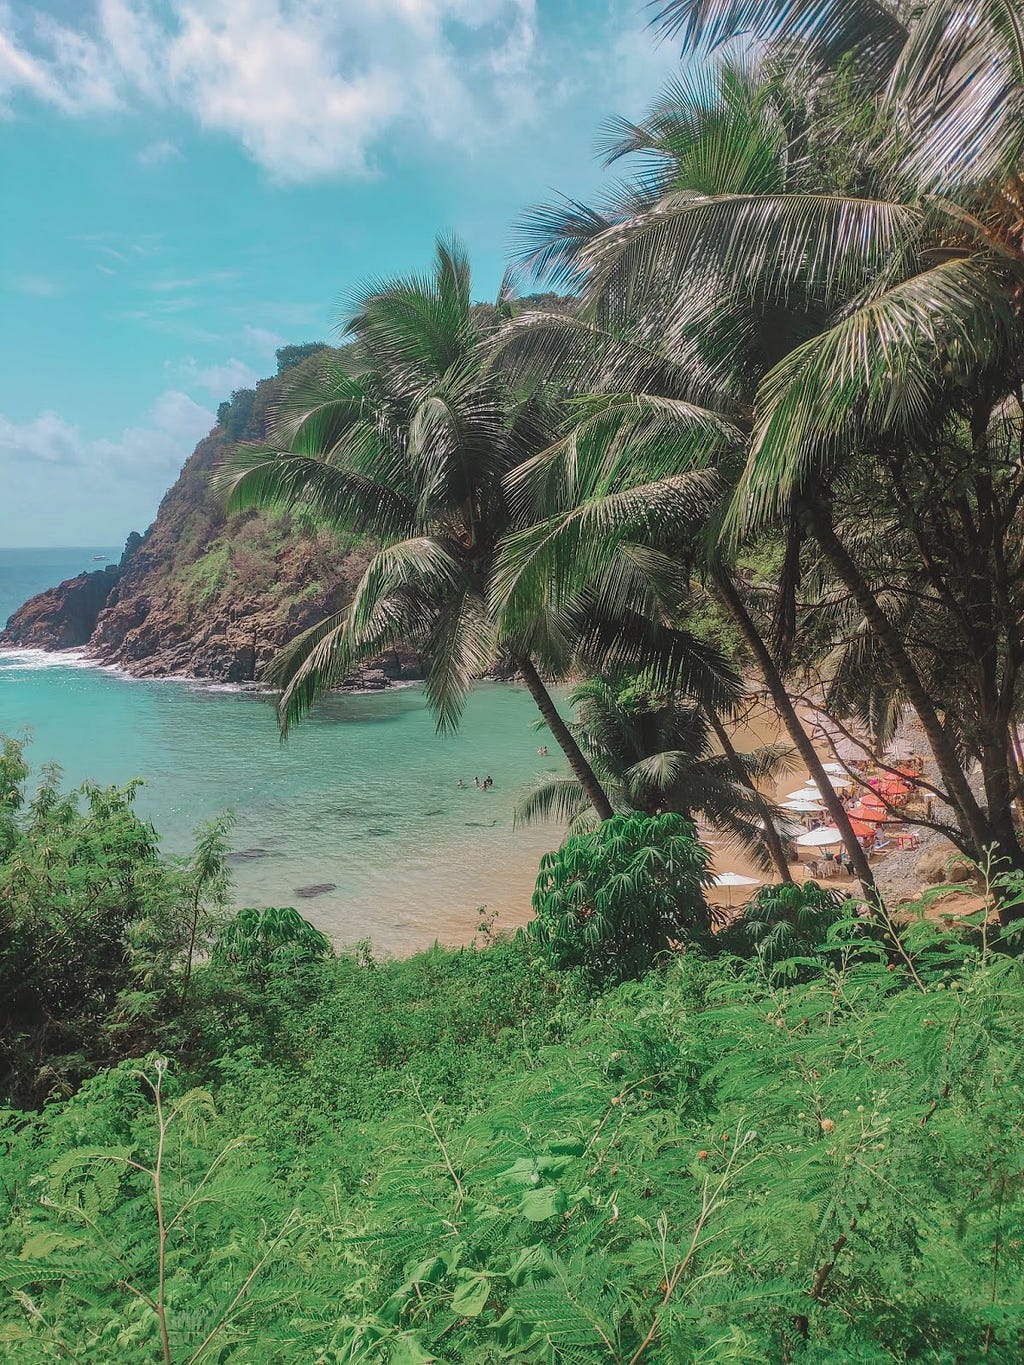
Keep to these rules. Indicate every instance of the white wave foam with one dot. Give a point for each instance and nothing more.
(14, 660)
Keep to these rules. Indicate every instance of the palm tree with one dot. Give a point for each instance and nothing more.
(919, 348)
(908, 304)
(655, 752)
(405, 436)
(644, 473)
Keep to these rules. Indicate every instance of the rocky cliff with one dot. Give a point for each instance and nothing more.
(64, 617)
(202, 594)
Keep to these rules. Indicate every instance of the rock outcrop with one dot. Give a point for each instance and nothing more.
(203, 594)
(63, 617)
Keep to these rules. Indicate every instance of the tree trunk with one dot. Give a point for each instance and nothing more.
(1016, 761)
(771, 834)
(564, 738)
(734, 604)
(972, 820)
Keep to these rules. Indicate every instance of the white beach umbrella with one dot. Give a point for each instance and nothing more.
(837, 776)
(784, 822)
(804, 803)
(820, 838)
(805, 794)
(735, 879)
(731, 879)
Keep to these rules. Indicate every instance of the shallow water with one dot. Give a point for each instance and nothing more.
(361, 800)
(356, 820)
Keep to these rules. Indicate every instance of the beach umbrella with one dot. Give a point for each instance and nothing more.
(873, 799)
(735, 879)
(803, 806)
(730, 879)
(837, 777)
(805, 794)
(860, 827)
(820, 838)
(782, 818)
(867, 815)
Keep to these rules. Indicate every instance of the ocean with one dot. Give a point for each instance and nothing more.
(362, 799)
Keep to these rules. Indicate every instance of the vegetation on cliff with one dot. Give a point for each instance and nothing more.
(205, 593)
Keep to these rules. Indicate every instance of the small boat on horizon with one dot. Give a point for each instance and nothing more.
(99, 556)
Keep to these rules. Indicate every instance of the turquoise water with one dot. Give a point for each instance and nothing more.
(362, 797)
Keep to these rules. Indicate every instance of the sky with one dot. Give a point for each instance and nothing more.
(189, 184)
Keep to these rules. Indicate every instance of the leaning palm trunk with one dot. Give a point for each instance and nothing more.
(564, 739)
(733, 603)
(980, 831)
(771, 834)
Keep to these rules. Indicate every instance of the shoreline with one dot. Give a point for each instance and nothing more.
(19, 660)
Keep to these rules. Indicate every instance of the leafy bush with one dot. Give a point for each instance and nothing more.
(259, 940)
(453, 1161)
(784, 922)
(98, 931)
(612, 900)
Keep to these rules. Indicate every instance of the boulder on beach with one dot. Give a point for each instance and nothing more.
(943, 863)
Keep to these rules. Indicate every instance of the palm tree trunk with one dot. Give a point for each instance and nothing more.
(771, 834)
(1016, 758)
(564, 738)
(971, 817)
(734, 604)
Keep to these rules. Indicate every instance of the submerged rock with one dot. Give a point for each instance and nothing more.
(248, 855)
(319, 889)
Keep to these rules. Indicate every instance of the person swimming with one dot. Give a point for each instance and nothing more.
(488, 783)
(460, 784)
(543, 750)
(476, 781)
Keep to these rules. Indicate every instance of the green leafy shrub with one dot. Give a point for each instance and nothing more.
(451, 1162)
(98, 931)
(785, 921)
(258, 940)
(612, 900)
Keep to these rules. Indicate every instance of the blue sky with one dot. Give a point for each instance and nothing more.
(189, 184)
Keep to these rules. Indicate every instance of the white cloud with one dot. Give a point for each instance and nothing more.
(308, 87)
(261, 340)
(207, 280)
(47, 439)
(157, 448)
(218, 380)
(38, 286)
(156, 153)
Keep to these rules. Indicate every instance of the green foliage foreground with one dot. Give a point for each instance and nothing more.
(463, 1157)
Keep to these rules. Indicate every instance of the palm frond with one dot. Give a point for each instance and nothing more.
(254, 476)
(889, 365)
(958, 94)
(826, 31)
(559, 800)
(807, 246)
